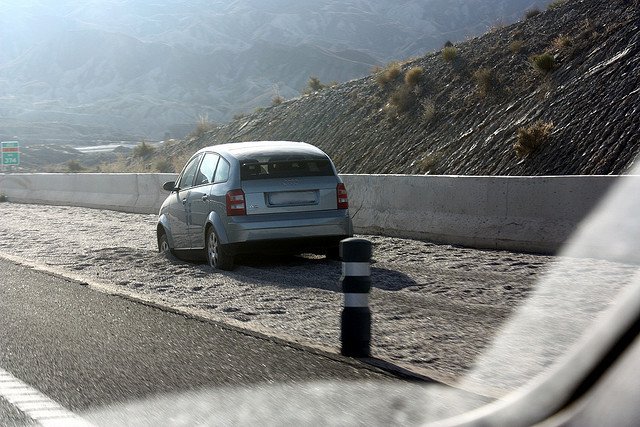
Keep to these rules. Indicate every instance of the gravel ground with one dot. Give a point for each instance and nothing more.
(436, 308)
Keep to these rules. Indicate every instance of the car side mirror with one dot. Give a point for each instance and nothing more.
(170, 186)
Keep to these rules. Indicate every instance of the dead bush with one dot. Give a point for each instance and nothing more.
(388, 74)
(531, 138)
(413, 76)
(484, 80)
(449, 53)
(545, 63)
(516, 46)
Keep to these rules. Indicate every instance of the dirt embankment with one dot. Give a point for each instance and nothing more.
(463, 114)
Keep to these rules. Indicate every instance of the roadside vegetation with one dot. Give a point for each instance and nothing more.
(203, 125)
(74, 166)
(389, 74)
(530, 138)
(531, 13)
(485, 82)
(413, 77)
(163, 165)
(144, 150)
(556, 4)
(449, 53)
(315, 85)
(544, 63)
(404, 88)
(516, 46)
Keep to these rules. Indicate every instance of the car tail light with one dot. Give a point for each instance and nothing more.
(343, 200)
(235, 203)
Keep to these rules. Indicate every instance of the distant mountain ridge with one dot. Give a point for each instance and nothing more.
(141, 69)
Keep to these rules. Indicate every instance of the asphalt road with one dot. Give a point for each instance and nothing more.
(85, 349)
(435, 307)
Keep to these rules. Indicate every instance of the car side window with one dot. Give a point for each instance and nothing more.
(222, 173)
(207, 169)
(189, 172)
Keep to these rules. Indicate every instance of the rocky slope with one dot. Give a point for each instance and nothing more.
(463, 115)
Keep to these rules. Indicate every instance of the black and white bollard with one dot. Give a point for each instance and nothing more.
(355, 327)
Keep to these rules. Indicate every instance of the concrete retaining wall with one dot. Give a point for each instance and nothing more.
(534, 214)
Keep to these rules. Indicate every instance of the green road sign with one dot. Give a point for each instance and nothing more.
(10, 153)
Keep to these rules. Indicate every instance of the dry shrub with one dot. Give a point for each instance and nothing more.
(143, 150)
(531, 13)
(389, 74)
(530, 138)
(428, 162)
(413, 76)
(391, 112)
(203, 126)
(556, 4)
(403, 99)
(74, 166)
(485, 81)
(449, 53)
(117, 166)
(561, 42)
(545, 63)
(163, 166)
(314, 84)
(429, 111)
(516, 46)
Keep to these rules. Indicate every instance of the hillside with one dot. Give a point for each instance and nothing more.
(463, 114)
(144, 69)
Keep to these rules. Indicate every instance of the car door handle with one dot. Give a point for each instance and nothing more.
(184, 201)
(205, 198)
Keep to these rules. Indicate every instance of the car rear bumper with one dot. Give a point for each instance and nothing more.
(314, 229)
(290, 245)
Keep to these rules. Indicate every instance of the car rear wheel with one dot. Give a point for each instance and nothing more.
(217, 257)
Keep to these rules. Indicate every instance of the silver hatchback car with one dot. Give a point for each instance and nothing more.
(252, 197)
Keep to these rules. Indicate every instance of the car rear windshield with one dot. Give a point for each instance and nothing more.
(284, 168)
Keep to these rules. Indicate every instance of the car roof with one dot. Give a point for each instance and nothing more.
(253, 149)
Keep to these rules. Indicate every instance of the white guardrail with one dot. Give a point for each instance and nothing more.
(533, 214)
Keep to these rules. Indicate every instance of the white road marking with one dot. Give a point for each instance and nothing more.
(36, 405)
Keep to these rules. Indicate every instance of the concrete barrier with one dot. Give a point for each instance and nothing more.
(127, 192)
(535, 214)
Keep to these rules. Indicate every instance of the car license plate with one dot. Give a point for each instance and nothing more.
(289, 198)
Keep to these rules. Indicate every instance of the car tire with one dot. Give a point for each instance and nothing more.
(217, 256)
(163, 244)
